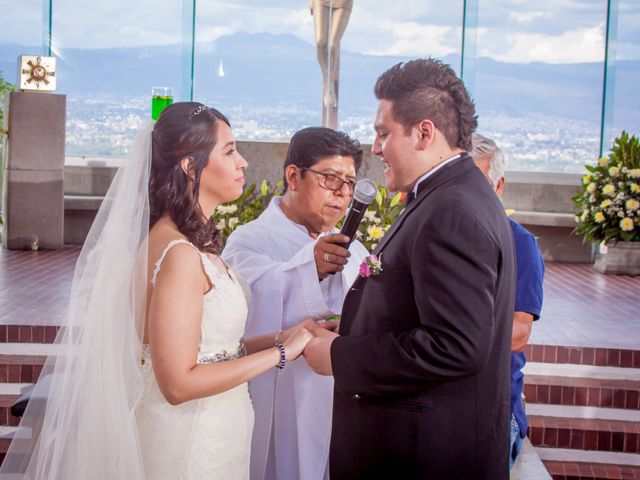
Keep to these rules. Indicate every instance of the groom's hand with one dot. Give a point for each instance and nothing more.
(314, 326)
(317, 353)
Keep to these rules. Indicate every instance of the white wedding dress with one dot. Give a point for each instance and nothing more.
(208, 438)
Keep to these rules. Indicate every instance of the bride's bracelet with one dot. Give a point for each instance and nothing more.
(283, 357)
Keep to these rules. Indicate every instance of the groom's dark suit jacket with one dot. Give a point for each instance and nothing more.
(422, 365)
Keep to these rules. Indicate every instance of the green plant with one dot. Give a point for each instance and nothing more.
(4, 87)
(378, 218)
(608, 204)
(248, 207)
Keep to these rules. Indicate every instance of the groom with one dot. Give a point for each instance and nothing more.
(421, 365)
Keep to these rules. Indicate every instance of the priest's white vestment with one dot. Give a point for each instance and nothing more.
(293, 406)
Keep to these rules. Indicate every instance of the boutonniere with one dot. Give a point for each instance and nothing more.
(371, 265)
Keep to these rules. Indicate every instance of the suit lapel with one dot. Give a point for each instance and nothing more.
(424, 189)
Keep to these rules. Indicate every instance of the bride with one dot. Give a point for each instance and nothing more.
(150, 377)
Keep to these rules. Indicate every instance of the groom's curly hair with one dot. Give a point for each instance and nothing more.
(429, 89)
(184, 130)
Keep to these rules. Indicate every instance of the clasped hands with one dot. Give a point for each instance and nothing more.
(313, 340)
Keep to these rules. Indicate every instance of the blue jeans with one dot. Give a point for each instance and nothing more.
(516, 441)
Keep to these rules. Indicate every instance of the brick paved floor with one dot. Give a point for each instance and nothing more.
(582, 307)
(34, 286)
(585, 308)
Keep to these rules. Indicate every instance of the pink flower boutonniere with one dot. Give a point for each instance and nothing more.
(371, 265)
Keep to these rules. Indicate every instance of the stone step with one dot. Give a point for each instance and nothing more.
(33, 353)
(584, 428)
(588, 456)
(7, 435)
(582, 385)
(21, 373)
(23, 362)
(9, 393)
(563, 463)
(590, 471)
(27, 334)
(528, 465)
(603, 357)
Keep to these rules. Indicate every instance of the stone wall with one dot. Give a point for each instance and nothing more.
(33, 170)
(542, 201)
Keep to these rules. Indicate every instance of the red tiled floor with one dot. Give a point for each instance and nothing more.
(582, 308)
(585, 308)
(583, 471)
(33, 289)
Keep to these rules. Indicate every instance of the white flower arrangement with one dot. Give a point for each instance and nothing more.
(227, 209)
(608, 205)
(246, 208)
(377, 219)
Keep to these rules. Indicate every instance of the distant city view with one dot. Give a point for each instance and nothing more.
(545, 116)
(534, 69)
(534, 142)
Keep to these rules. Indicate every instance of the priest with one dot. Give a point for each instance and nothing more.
(294, 261)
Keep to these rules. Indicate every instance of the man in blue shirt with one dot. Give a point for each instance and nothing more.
(529, 275)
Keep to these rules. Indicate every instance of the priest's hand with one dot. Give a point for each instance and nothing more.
(317, 353)
(330, 254)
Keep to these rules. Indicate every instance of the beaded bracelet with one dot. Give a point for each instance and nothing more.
(283, 358)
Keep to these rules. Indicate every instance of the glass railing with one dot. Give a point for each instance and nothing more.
(552, 82)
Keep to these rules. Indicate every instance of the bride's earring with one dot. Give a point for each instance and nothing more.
(186, 165)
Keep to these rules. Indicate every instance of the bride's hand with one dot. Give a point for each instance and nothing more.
(295, 342)
(310, 324)
(316, 327)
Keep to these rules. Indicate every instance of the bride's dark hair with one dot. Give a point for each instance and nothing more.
(184, 129)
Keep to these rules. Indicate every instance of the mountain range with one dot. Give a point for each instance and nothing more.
(264, 69)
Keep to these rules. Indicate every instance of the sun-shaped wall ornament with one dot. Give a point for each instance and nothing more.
(37, 73)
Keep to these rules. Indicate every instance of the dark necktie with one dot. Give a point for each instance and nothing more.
(410, 198)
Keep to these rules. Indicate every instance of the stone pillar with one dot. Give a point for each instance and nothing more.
(33, 176)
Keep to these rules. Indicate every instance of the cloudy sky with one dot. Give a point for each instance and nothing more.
(553, 31)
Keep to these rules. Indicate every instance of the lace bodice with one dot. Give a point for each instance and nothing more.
(207, 437)
(224, 311)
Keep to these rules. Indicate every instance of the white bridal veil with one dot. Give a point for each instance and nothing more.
(84, 426)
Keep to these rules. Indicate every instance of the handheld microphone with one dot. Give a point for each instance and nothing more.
(363, 194)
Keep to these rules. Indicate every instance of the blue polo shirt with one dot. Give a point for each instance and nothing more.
(529, 275)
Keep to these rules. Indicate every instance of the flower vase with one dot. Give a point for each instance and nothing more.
(620, 258)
